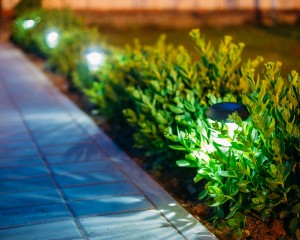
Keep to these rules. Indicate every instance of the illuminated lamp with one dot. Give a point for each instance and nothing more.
(94, 59)
(221, 112)
(52, 39)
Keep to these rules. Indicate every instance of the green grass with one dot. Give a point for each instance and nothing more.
(280, 43)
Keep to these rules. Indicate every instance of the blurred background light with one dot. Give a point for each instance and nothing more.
(28, 24)
(94, 59)
(52, 39)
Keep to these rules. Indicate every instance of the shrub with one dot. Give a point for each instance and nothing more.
(23, 36)
(33, 39)
(70, 52)
(26, 5)
(121, 69)
(256, 167)
(176, 89)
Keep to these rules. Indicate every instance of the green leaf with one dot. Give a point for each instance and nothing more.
(258, 207)
(243, 183)
(270, 129)
(294, 225)
(220, 213)
(231, 222)
(203, 194)
(189, 106)
(198, 178)
(186, 163)
(178, 147)
(215, 190)
(216, 204)
(255, 200)
(240, 146)
(233, 210)
(226, 174)
(175, 109)
(296, 209)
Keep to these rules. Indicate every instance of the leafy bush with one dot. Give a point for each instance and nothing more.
(122, 68)
(256, 167)
(33, 39)
(24, 36)
(26, 5)
(70, 52)
(175, 88)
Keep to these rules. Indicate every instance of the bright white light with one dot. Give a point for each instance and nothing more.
(225, 142)
(231, 128)
(52, 39)
(28, 24)
(94, 60)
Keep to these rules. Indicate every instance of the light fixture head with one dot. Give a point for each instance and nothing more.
(52, 39)
(221, 111)
(28, 24)
(94, 59)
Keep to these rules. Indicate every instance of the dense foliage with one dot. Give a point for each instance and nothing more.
(24, 6)
(255, 167)
(176, 88)
(33, 37)
(163, 92)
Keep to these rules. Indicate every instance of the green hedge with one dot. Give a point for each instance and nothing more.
(34, 39)
(163, 92)
(256, 167)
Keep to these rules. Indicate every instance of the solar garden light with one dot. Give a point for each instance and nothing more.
(221, 112)
(52, 39)
(94, 58)
(30, 23)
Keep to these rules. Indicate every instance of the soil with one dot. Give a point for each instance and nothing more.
(174, 183)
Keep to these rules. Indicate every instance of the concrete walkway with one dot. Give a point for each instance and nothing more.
(61, 177)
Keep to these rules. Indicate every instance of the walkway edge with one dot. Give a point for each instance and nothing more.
(182, 220)
(190, 227)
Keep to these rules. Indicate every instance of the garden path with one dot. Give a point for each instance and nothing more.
(61, 177)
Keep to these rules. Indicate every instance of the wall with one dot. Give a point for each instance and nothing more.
(107, 5)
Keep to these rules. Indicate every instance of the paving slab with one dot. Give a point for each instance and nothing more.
(26, 184)
(140, 221)
(63, 230)
(18, 173)
(74, 157)
(62, 177)
(73, 179)
(29, 198)
(20, 162)
(99, 190)
(83, 167)
(15, 217)
(111, 205)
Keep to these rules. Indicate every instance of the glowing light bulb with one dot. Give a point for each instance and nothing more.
(52, 39)
(221, 112)
(94, 59)
(28, 24)
(225, 142)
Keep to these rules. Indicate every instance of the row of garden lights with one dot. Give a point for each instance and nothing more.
(93, 56)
